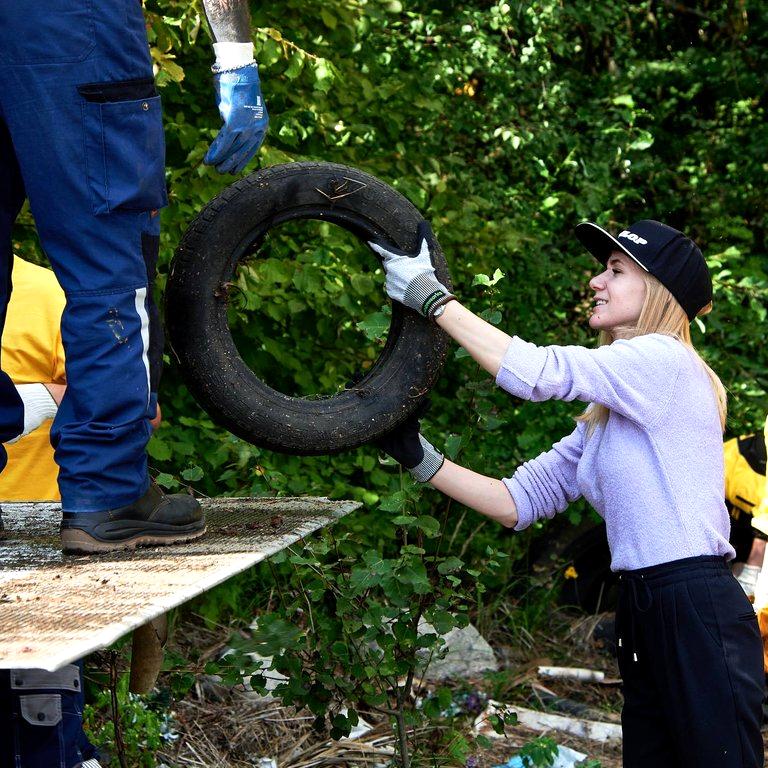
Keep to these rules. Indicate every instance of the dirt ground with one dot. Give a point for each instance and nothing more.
(225, 728)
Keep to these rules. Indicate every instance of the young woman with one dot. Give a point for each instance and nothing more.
(647, 455)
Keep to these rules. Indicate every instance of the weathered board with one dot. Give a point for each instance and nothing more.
(55, 608)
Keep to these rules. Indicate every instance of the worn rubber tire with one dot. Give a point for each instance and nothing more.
(196, 312)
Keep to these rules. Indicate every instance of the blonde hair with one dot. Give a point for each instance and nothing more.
(660, 313)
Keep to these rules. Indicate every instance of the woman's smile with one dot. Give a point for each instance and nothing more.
(619, 295)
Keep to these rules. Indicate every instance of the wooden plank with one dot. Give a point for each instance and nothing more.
(55, 608)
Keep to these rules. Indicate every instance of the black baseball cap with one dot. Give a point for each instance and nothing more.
(671, 257)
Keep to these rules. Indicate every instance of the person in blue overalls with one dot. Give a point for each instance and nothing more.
(81, 138)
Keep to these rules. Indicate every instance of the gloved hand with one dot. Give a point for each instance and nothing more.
(242, 108)
(39, 406)
(748, 579)
(406, 445)
(410, 277)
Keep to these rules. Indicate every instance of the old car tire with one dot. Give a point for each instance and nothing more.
(196, 311)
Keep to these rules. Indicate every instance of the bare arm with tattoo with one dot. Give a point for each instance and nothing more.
(230, 20)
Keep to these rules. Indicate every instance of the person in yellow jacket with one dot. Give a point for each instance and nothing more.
(745, 493)
(760, 526)
(760, 514)
(32, 354)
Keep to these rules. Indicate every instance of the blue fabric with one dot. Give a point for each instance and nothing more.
(242, 108)
(34, 738)
(93, 173)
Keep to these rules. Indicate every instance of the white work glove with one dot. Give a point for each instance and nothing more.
(410, 277)
(39, 406)
(748, 579)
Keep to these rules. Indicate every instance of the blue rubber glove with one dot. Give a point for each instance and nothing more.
(242, 108)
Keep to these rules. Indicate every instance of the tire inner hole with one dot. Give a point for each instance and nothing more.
(307, 308)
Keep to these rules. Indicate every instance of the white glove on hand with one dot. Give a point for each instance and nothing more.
(39, 406)
(410, 277)
(748, 579)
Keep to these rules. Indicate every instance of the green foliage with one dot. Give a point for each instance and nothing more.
(344, 628)
(144, 726)
(506, 123)
(540, 753)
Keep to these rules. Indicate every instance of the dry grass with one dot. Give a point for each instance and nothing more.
(234, 729)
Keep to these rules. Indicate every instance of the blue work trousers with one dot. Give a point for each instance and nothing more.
(41, 719)
(81, 138)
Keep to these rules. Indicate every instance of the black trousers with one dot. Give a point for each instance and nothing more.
(691, 660)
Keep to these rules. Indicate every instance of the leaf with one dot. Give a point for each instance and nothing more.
(393, 503)
(550, 202)
(481, 279)
(362, 283)
(274, 635)
(449, 565)
(428, 524)
(173, 70)
(324, 75)
(158, 450)
(412, 549)
(167, 481)
(375, 326)
(365, 577)
(643, 141)
(452, 445)
(192, 474)
(492, 316)
(442, 621)
(625, 100)
(295, 65)
(328, 18)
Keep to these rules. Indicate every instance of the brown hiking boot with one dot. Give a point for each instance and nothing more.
(153, 520)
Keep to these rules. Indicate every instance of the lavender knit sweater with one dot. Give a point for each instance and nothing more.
(654, 472)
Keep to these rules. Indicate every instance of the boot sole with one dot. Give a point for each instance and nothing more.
(75, 541)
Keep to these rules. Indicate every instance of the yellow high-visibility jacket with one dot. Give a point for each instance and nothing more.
(32, 353)
(760, 515)
(745, 478)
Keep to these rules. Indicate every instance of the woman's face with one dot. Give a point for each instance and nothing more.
(619, 295)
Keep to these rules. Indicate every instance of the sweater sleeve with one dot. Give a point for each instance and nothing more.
(546, 485)
(634, 377)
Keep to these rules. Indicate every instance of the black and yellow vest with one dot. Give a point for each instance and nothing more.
(745, 459)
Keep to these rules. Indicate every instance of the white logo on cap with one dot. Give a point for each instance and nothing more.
(633, 237)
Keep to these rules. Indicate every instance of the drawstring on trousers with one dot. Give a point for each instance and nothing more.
(633, 580)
